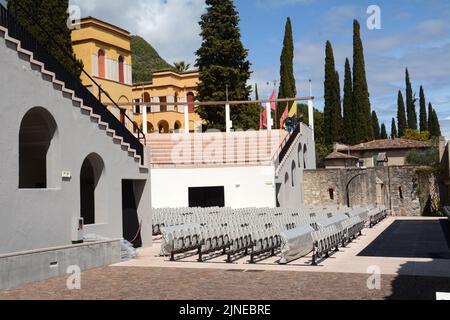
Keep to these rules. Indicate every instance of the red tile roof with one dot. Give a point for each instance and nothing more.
(338, 155)
(388, 144)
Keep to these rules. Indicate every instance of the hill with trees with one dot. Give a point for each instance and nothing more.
(146, 60)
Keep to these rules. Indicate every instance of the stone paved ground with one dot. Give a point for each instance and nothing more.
(197, 284)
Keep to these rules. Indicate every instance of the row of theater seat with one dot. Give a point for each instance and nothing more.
(260, 232)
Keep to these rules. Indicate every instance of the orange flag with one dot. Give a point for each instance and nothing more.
(284, 116)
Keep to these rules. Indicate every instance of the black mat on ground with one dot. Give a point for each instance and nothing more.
(412, 239)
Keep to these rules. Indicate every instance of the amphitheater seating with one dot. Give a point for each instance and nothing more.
(261, 232)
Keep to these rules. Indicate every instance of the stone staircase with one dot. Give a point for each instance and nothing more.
(251, 148)
(51, 71)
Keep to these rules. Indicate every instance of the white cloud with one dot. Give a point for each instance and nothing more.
(171, 26)
(282, 3)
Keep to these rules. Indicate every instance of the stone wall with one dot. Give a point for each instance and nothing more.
(403, 189)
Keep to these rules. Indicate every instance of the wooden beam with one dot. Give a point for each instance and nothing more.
(211, 103)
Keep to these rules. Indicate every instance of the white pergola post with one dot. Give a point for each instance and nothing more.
(144, 118)
(311, 110)
(228, 122)
(269, 116)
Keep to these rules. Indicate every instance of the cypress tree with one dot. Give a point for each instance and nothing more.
(401, 116)
(394, 133)
(332, 108)
(423, 111)
(410, 104)
(222, 60)
(256, 92)
(287, 80)
(360, 89)
(433, 122)
(376, 126)
(437, 127)
(52, 16)
(383, 134)
(349, 120)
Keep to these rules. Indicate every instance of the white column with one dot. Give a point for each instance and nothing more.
(144, 118)
(228, 122)
(269, 116)
(186, 115)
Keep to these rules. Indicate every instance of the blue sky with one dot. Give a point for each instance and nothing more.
(414, 34)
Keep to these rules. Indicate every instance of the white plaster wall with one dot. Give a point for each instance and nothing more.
(257, 185)
(33, 219)
(291, 196)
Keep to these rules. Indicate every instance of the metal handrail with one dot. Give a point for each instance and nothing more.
(40, 53)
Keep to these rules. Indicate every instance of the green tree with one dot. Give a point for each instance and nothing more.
(361, 97)
(287, 79)
(332, 107)
(410, 104)
(433, 122)
(222, 62)
(52, 16)
(401, 115)
(383, 133)
(348, 110)
(394, 133)
(181, 66)
(423, 111)
(376, 126)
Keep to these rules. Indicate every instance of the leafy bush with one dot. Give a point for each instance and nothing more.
(429, 157)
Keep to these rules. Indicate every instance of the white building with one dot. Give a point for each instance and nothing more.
(237, 170)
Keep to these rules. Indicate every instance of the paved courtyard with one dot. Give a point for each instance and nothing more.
(194, 284)
(342, 276)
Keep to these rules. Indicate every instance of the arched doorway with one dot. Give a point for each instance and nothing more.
(150, 127)
(91, 172)
(36, 143)
(177, 125)
(163, 126)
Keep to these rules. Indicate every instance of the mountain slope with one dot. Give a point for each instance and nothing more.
(145, 60)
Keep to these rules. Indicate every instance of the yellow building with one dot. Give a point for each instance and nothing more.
(168, 86)
(105, 50)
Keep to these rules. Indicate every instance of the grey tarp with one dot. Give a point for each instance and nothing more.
(296, 243)
(167, 242)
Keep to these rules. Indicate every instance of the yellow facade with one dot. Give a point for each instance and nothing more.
(91, 37)
(169, 86)
(105, 50)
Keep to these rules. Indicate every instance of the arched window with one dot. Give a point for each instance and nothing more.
(36, 143)
(101, 64)
(305, 151)
(286, 178)
(121, 70)
(400, 192)
(331, 193)
(90, 176)
(163, 108)
(299, 155)
(293, 168)
(190, 101)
